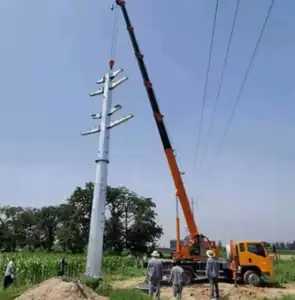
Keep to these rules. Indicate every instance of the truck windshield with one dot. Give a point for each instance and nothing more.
(257, 249)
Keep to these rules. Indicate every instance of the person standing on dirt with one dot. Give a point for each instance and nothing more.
(9, 274)
(154, 274)
(177, 279)
(212, 272)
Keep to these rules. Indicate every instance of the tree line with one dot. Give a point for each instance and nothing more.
(282, 245)
(130, 223)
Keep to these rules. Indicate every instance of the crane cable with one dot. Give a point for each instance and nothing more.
(205, 88)
(220, 83)
(244, 80)
(114, 8)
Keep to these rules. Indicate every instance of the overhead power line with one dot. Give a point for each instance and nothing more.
(220, 83)
(244, 80)
(205, 87)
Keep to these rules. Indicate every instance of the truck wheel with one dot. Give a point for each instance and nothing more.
(188, 278)
(252, 278)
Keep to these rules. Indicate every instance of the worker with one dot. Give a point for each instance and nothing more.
(154, 274)
(9, 274)
(62, 267)
(177, 279)
(144, 261)
(212, 272)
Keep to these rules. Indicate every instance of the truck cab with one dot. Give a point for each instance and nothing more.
(252, 260)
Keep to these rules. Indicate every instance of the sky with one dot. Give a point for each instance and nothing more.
(53, 52)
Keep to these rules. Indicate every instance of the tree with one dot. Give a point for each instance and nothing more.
(47, 223)
(130, 223)
(133, 220)
(13, 234)
(74, 220)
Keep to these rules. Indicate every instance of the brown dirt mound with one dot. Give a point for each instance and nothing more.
(60, 289)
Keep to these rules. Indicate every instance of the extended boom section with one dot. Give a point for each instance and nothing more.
(180, 190)
(247, 261)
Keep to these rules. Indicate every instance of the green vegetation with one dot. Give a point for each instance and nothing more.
(286, 252)
(65, 228)
(34, 268)
(285, 271)
(128, 295)
(12, 292)
(39, 238)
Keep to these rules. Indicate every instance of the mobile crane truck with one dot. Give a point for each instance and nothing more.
(246, 261)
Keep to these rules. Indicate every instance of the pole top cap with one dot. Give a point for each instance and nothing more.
(111, 64)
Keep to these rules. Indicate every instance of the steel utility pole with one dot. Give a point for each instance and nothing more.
(97, 223)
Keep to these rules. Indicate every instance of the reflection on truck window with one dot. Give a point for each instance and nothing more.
(256, 249)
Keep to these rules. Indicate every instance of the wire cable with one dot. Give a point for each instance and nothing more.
(220, 83)
(205, 87)
(115, 32)
(244, 80)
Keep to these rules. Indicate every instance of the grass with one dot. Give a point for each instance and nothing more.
(12, 292)
(285, 271)
(34, 268)
(128, 295)
(286, 252)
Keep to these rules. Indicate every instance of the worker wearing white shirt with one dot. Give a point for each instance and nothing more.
(9, 274)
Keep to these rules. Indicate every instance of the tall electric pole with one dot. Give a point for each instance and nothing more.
(97, 223)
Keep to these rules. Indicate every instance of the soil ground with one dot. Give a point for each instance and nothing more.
(59, 289)
(227, 291)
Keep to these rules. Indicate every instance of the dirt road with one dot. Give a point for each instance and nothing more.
(228, 291)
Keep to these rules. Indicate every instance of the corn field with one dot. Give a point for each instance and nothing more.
(33, 268)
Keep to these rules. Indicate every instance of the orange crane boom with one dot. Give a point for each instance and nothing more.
(177, 179)
(247, 260)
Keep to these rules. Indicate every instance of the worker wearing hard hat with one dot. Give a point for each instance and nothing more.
(154, 274)
(212, 272)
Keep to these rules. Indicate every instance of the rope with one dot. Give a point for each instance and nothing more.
(114, 33)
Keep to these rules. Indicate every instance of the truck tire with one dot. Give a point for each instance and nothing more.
(188, 277)
(252, 278)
